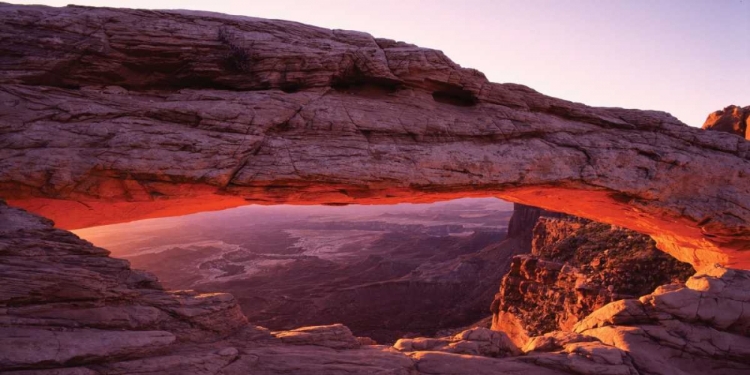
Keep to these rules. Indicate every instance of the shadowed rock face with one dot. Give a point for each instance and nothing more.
(114, 115)
(732, 119)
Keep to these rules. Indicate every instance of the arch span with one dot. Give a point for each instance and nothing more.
(111, 115)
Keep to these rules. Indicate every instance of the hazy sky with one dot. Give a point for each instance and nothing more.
(685, 57)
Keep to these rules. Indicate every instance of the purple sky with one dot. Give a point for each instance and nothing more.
(685, 57)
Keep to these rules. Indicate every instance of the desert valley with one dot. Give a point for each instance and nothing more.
(383, 271)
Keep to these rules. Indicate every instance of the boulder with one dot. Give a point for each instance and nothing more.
(476, 341)
(335, 336)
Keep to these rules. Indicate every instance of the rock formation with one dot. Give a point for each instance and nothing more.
(110, 115)
(474, 341)
(64, 301)
(336, 336)
(613, 258)
(702, 326)
(733, 120)
(521, 224)
(577, 266)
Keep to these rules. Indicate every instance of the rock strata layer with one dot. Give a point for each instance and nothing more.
(110, 115)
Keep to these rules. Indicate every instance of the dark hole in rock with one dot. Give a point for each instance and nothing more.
(449, 93)
(366, 86)
(354, 81)
(290, 87)
(455, 96)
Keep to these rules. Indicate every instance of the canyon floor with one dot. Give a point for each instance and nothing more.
(386, 272)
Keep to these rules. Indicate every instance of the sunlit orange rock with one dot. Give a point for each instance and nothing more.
(575, 268)
(115, 115)
(732, 119)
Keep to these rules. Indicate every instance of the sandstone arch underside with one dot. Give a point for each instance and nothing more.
(114, 115)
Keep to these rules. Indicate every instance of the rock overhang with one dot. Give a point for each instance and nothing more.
(112, 115)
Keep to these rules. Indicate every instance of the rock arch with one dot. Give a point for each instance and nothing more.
(111, 115)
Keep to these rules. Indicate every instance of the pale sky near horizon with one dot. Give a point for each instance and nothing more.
(685, 57)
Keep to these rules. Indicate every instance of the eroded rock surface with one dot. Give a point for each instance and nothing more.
(111, 115)
(697, 328)
(575, 267)
(703, 326)
(63, 300)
